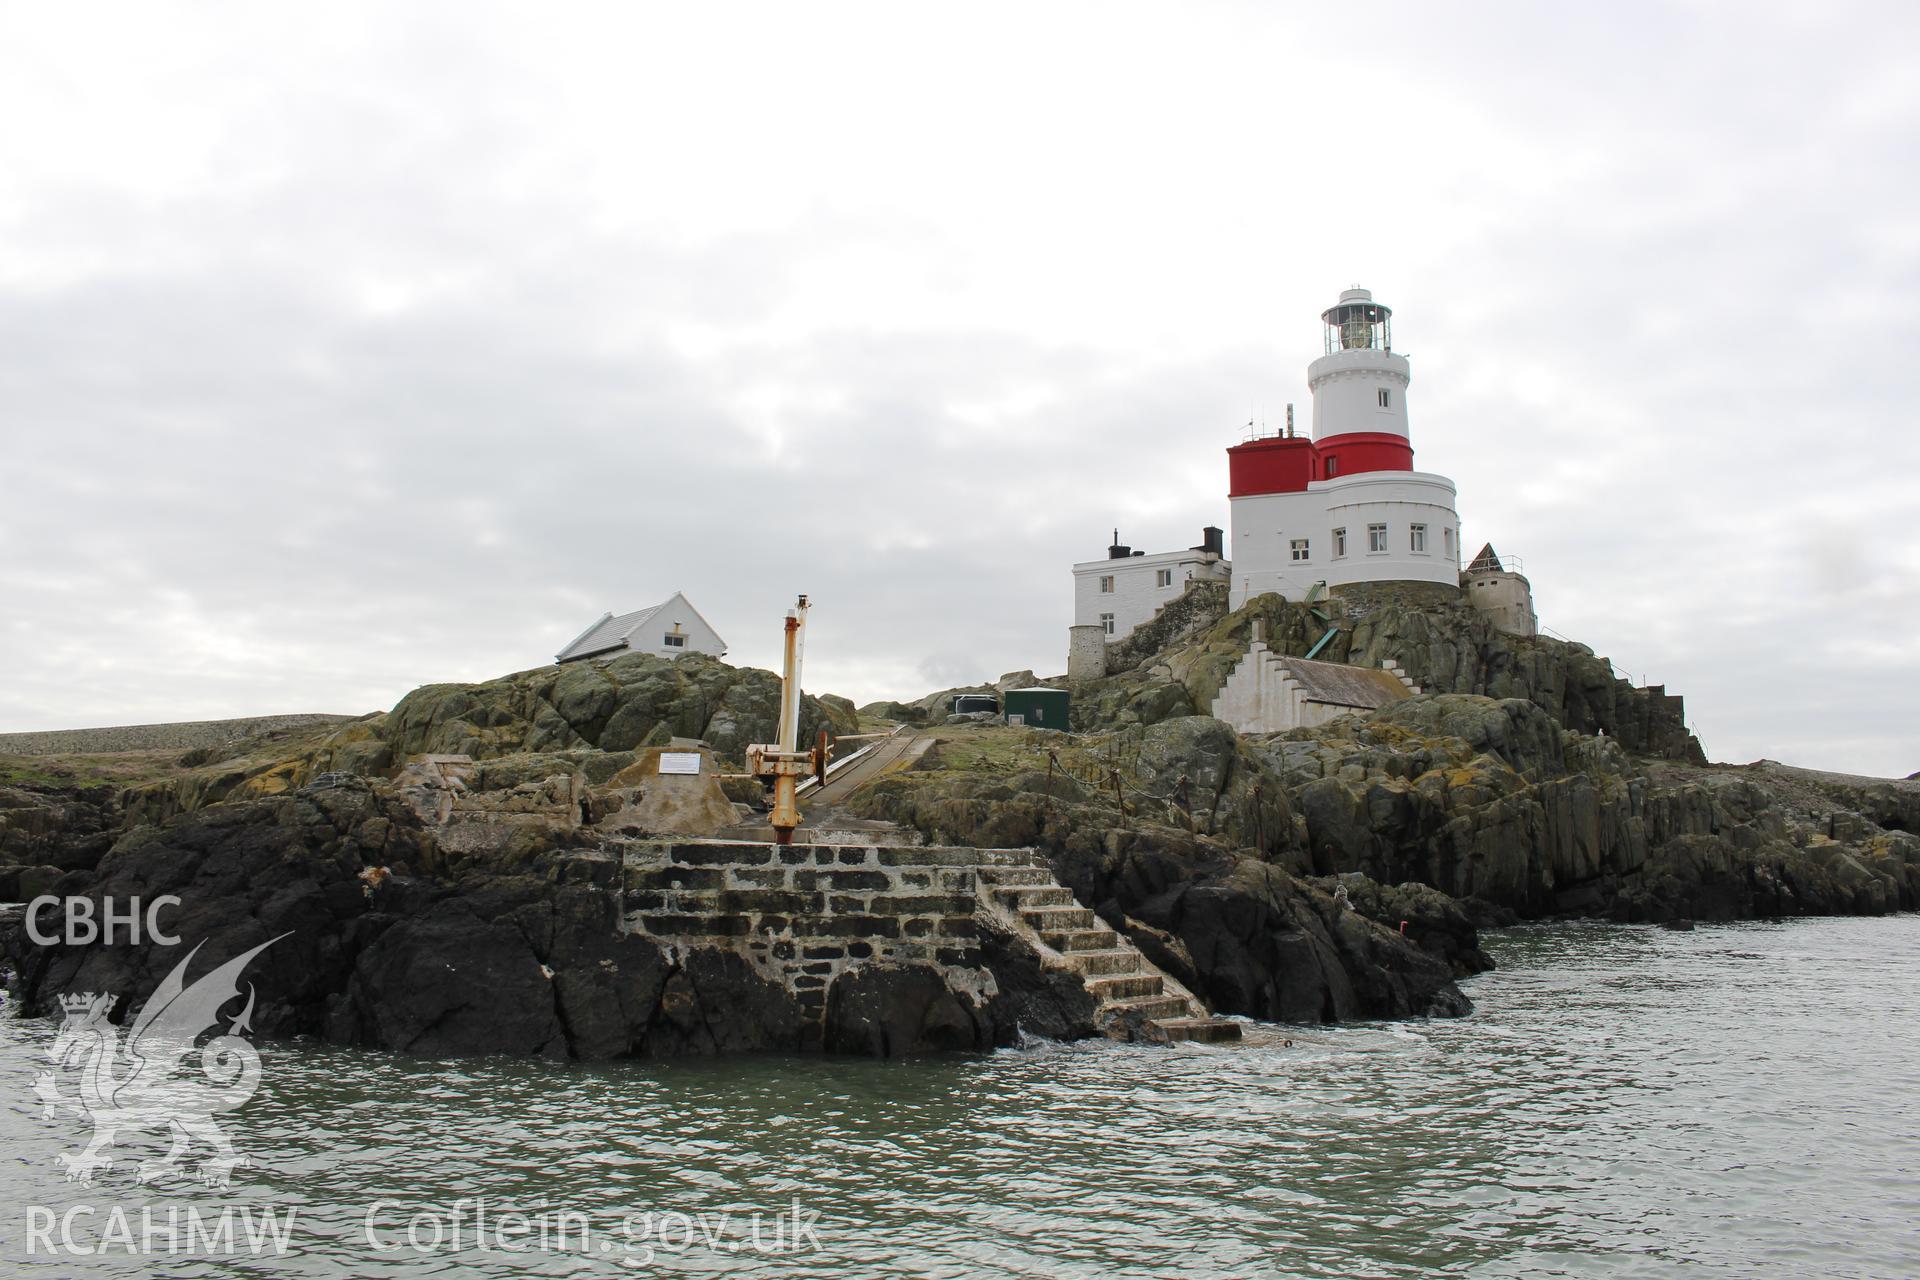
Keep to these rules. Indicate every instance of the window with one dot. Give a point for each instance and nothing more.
(1333, 467)
(1339, 543)
(1163, 577)
(1386, 398)
(673, 641)
(1106, 620)
(1376, 537)
(1417, 538)
(1106, 585)
(1299, 546)
(1448, 533)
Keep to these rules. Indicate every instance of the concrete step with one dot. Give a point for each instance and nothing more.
(1009, 858)
(1199, 1030)
(1058, 919)
(1026, 897)
(1151, 1008)
(1126, 986)
(1097, 963)
(1069, 940)
(1016, 875)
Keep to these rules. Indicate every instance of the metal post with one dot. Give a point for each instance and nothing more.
(786, 810)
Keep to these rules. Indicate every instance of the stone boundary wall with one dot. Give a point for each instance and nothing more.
(184, 736)
(1358, 599)
(805, 914)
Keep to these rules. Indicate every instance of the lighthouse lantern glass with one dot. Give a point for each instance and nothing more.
(1358, 326)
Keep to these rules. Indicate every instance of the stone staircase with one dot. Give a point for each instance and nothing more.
(1269, 692)
(1136, 1000)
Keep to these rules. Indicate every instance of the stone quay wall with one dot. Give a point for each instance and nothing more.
(805, 914)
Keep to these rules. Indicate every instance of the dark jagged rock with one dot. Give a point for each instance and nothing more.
(66, 828)
(1429, 919)
(715, 1003)
(381, 938)
(1047, 1002)
(1229, 921)
(1260, 941)
(895, 1011)
(1494, 801)
(447, 983)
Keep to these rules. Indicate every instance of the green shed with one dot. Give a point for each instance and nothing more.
(1042, 708)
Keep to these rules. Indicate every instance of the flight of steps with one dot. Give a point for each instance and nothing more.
(1136, 1000)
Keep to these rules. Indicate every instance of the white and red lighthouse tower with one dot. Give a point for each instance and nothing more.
(1345, 505)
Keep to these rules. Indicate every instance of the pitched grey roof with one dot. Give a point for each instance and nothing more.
(611, 633)
(1339, 685)
(1488, 561)
(608, 634)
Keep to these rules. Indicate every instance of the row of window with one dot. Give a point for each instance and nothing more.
(1161, 578)
(1376, 542)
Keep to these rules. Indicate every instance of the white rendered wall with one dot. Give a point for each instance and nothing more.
(1136, 594)
(1261, 696)
(1264, 526)
(701, 638)
(1346, 390)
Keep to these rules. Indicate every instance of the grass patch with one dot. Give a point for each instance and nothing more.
(104, 769)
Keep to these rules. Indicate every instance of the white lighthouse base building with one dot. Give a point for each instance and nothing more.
(1393, 526)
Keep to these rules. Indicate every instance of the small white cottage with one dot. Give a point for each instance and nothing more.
(669, 629)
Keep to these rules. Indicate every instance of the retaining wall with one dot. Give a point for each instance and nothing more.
(804, 914)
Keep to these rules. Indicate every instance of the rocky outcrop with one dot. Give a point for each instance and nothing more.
(580, 718)
(1457, 649)
(1328, 873)
(1199, 869)
(1261, 941)
(1494, 801)
(894, 1010)
(55, 827)
(636, 700)
(1176, 664)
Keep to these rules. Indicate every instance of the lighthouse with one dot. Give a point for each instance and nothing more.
(1339, 507)
(1344, 505)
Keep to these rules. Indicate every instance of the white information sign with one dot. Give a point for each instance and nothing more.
(679, 762)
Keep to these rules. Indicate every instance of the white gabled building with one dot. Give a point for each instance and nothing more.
(1127, 588)
(669, 629)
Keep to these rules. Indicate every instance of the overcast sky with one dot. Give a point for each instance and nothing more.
(345, 348)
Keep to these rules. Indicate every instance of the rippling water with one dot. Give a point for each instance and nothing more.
(1739, 1100)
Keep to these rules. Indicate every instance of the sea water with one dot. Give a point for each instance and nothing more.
(1740, 1100)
